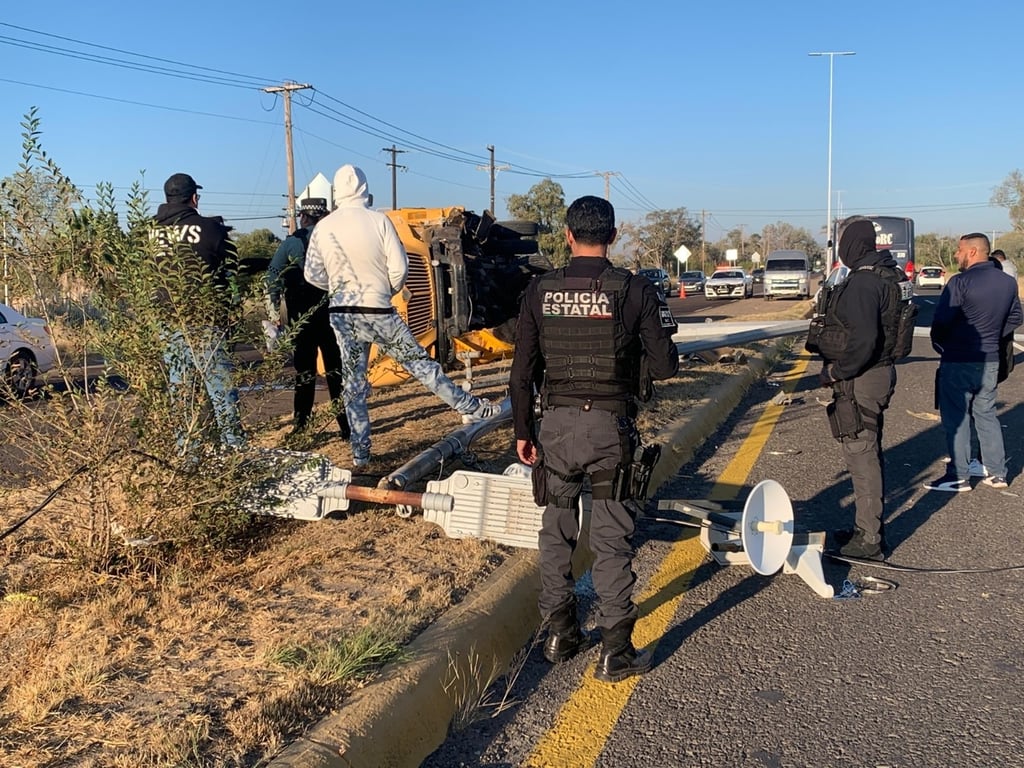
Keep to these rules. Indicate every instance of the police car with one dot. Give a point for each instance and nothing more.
(729, 283)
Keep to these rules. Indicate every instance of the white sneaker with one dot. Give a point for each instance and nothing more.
(484, 411)
(977, 469)
(974, 469)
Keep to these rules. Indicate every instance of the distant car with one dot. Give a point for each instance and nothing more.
(931, 277)
(659, 277)
(758, 275)
(729, 283)
(26, 350)
(693, 281)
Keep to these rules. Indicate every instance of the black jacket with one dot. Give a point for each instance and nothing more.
(863, 302)
(196, 251)
(645, 317)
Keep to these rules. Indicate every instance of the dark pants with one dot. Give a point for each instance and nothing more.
(872, 389)
(577, 442)
(314, 334)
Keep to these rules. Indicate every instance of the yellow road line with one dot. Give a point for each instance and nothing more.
(586, 720)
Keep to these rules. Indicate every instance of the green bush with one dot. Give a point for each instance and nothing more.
(127, 496)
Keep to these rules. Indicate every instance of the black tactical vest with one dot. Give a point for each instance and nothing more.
(585, 344)
(299, 295)
(828, 335)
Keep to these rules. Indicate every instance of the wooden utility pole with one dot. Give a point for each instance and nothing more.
(607, 182)
(493, 170)
(286, 92)
(393, 165)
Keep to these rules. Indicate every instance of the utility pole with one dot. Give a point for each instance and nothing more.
(703, 240)
(394, 173)
(607, 183)
(286, 93)
(493, 169)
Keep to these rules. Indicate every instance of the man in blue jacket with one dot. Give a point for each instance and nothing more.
(977, 308)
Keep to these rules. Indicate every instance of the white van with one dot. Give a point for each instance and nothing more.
(787, 273)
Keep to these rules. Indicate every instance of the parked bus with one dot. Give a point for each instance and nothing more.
(892, 233)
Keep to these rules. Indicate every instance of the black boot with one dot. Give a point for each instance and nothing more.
(619, 659)
(300, 425)
(862, 547)
(565, 638)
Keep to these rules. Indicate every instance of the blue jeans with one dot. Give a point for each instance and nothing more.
(356, 332)
(197, 361)
(966, 390)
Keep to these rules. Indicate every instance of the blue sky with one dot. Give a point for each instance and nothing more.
(713, 107)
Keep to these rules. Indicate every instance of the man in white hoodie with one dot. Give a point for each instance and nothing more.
(355, 255)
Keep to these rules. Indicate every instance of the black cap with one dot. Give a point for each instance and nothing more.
(180, 186)
(314, 206)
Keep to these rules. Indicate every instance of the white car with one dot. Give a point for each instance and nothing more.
(26, 350)
(732, 283)
(931, 277)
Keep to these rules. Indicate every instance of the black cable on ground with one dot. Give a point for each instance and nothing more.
(47, 500)
(880, 564)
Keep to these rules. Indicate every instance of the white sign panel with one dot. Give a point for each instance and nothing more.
(755, 257)
(732, 254)
(682, 253)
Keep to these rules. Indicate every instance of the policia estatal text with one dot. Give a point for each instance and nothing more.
(591, 337)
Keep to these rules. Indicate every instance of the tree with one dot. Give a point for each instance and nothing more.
(935, 249)
(257, 245)
(783, 236)
(36, 206)
(544, 203)
(1010, 195)
(654, 242)
(1012, 244)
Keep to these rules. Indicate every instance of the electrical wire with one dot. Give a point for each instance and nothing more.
(880, 564)
(219, 72)
(137, 103)
(638, 193)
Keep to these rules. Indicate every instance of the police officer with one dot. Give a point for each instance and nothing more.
(585, 331)
(861, 321)
(307, 310)
(196, 260)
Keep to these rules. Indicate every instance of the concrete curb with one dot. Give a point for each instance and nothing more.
(400, 719)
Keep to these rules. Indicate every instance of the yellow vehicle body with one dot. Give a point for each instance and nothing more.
(453, 261)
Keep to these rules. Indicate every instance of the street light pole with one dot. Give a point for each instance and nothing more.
(828, 208)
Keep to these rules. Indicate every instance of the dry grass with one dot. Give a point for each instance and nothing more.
(222, 660)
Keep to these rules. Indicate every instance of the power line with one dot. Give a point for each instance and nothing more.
(638, 193)
(256, 80)
(136, 103)
(120, 64)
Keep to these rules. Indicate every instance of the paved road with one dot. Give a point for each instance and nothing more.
(761, 671)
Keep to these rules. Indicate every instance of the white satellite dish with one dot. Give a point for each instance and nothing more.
(766, 528)
(762, 536)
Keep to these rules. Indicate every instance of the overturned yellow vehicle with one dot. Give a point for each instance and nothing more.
(461, 297)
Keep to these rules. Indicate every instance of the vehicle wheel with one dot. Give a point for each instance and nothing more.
(521, 227)
(21, 374)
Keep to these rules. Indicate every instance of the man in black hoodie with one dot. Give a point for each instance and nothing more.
(195, 263)
(861, 321)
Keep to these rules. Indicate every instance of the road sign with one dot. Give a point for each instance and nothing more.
(682, 253)
(755, 257)
(732, 254)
